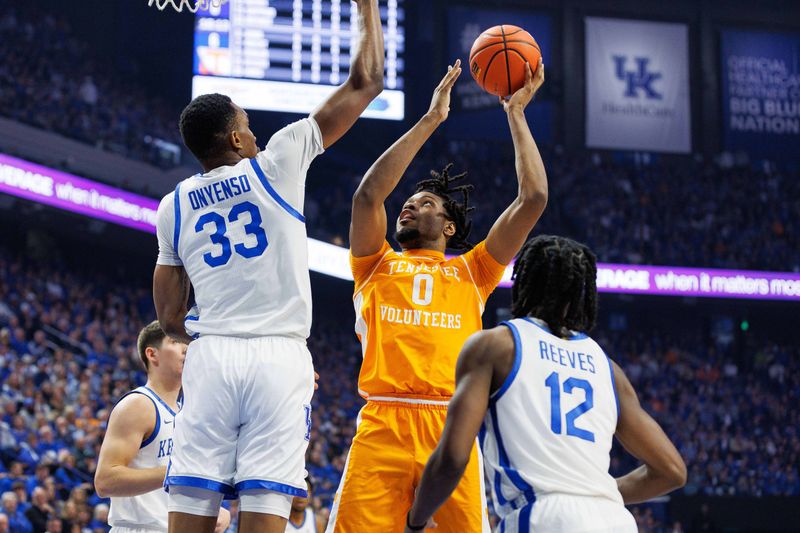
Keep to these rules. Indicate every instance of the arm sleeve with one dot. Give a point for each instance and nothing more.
(165, 230)
(485, 270)
(291, 150)
(363, 267)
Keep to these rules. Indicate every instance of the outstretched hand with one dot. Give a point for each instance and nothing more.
(440, 103)
(525, 94)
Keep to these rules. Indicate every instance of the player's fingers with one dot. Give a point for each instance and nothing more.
(453, 77)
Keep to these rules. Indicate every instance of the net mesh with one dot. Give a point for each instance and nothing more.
(191, 5)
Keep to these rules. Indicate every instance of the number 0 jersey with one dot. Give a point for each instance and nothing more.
(414, 310)
(549, 428)
(240, 234)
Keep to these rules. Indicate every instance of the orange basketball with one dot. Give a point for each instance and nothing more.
(498, 56)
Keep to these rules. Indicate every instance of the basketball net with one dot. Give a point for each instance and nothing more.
(191, 5)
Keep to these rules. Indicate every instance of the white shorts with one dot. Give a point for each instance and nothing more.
(135, 530)
(246, 416)
(558, 513)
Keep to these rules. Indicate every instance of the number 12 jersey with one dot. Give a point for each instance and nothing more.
(549, 428)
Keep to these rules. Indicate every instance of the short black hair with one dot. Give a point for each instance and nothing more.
(151, 336)
(440, 185)
(205, 124)
(553, 274)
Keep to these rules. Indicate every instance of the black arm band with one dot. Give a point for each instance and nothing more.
(413, 528)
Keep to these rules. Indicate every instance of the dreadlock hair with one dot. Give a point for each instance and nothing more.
(553, 275)
(440, 184)
(205, 124)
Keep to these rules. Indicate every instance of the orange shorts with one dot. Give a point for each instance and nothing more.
(392, 444)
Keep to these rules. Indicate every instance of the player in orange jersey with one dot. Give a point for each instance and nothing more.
(414, 310)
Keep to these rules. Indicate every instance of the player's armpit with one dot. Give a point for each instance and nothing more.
(484, 268)
(131, 422)
(363, 267)
(663, 469)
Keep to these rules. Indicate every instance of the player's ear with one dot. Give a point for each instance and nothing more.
(152, 355)
(236, 140)
(449, 228)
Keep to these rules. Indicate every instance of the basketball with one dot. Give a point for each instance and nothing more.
(498, 56)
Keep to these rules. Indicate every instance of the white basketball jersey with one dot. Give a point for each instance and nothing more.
(240, 234)
(309, 524)
(549, 427)
(147, 511)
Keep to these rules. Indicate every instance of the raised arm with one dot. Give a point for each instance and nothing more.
(481, 369)
(131, 422)
(171, 297)
(340, 111)
(663, 469)
(368, 225)
(510, 231)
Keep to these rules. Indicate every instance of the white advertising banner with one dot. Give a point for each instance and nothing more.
(637, 85)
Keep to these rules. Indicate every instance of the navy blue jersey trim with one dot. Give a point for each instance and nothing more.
(505, 464)
(162, 402)
(272, 192)
(577, 337)
(274, 486)
(517, 363)
(201, 483)
(156, 428)
(177, 233)
(613, 382)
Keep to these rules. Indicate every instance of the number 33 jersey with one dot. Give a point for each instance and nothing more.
(240, 234)
(549, 427)
(414, 310)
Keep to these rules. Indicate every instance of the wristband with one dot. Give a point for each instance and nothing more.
(414, 528)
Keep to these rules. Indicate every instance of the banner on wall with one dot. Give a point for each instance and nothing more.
(637, 85)
(760, 76)
(477, 114)
(61, 190)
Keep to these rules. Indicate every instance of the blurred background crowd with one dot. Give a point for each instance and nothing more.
(67, 348)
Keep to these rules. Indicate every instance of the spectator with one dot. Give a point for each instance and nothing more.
(54, 525)
(99, 523)
(17, 522)
(40, 511)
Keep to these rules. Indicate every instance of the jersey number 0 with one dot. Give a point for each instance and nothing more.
(422, 293)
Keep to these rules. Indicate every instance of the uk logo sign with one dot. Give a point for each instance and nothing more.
(639, 80)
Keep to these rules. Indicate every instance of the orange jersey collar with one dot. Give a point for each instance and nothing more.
(423, 253)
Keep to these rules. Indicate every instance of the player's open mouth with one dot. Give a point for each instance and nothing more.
(405, 216)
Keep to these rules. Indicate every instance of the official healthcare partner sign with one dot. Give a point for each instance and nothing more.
(761, 92)
(637, 85)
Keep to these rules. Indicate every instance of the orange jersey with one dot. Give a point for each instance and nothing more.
(414, 311)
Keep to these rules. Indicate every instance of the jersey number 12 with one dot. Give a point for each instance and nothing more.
(570, 384)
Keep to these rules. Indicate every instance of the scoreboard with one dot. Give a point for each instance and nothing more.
(289, 55)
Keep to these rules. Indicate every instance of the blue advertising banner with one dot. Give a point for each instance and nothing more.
(761, 93)
(476, 114)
